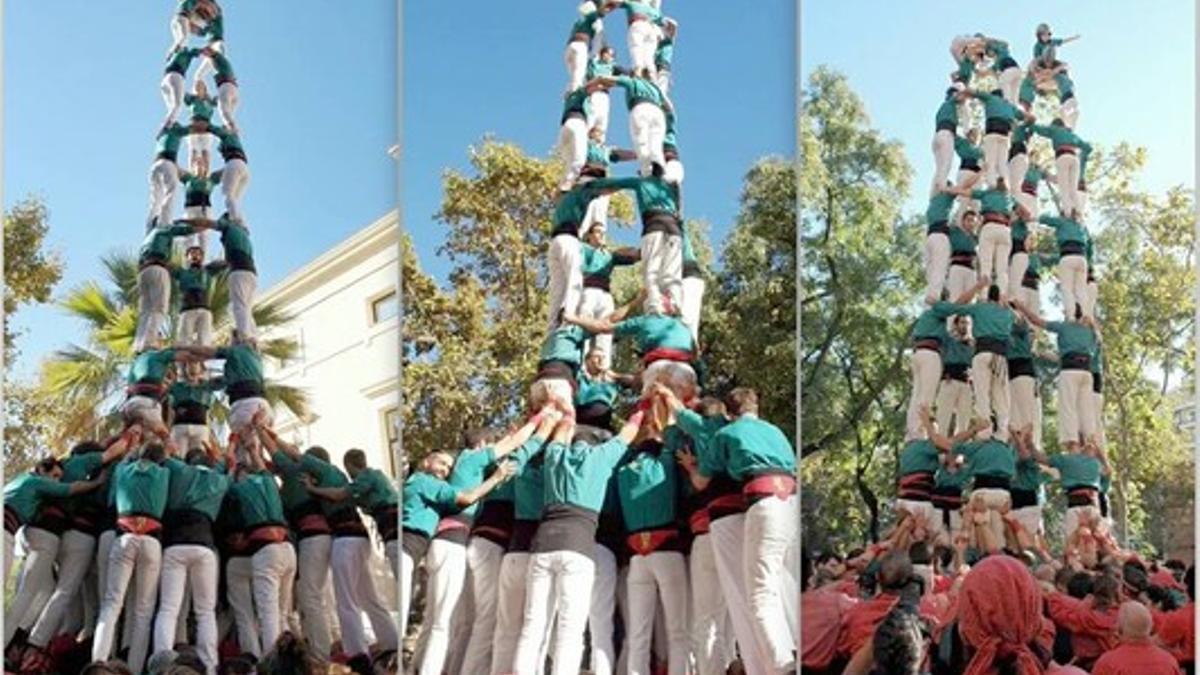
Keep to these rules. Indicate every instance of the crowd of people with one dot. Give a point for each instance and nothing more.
(966, 581)
(660, 538)
(161, 546)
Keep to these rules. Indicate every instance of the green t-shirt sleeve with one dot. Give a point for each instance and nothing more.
(690, 422)
(1055, 326)
(360, 486)
(628, 327)
(440, 493)
(51, 488)
(222, 353)
(93, 461)
(611, 451)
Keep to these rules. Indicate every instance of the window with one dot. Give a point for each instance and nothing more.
(384, 307)
(391, 434)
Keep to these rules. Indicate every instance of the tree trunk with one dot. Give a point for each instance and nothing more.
(872, 503)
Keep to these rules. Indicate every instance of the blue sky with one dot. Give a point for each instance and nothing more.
(498, 68)
(82, 105)
(1133, 69)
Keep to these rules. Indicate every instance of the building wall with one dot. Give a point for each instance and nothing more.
(348, 362)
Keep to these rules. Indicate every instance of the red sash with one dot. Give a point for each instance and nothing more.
(998, 218)
(313, 524)
(268, 534)
(138, 525)
(699, 521)
(446, 524)
(645, 543)
(1066, 150)
(769, 485)
(667, 354)
(727, 504)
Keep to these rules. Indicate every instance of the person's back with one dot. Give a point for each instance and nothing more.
(822, 611)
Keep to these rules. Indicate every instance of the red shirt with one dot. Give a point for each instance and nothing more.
(1176, 631)
(821, 612)
(860, 622)
(1093, 631)
(1137, 658)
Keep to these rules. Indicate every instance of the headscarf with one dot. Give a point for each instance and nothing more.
(1000, 615)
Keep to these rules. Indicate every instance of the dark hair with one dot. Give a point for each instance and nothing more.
(1080, 585)
(1176, 565)
(48, 464)
(1106, 589)
(290, 655)
(855, 552)
(1189, 580)
(85, 447)
(742, 400)
(806, 569)
(319, 452)
(154, 452)
(899, 646)
(238, 665)
(827, 556)
(710, 406)
(197, 456)
(895, 570)
(476, 437)
(944, 555)
(389, 660)
(361, 664)
(1078, 311)
(919, 554)
(189, 659)
(1063, 577)
(993, 293)
(356, 458)
(113, 667)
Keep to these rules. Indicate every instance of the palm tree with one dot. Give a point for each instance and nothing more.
(86, 381)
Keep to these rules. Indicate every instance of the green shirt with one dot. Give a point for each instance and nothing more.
(242, 364)
(597, 68)
(586, 25)
(24, 494)
(595, 391)
(202, 107)
(751, 446)
(577, 102)
(198, 188)
(1040, 48)
(994, 201)
(958, 478)
(1021, 344)
(919, 456)
(1060, 136)
(83, 467)
(572, 206)
(197, 488)
(947, 112)
(194, 280)
(373, 490)
(961, 241)
(1098, 359)
(150, 367)
(141, 488)
(1077, 470)
(966, 150)
(1020, 230)
(468, 472)
(1020, 134)
(932, 322)
(169, 139)
(258, 500)
(520, 457)
(184, 393)
(992, 320)
(997, 107)
(426, 498)
(1031, 477)
(529, 490)
(223, 67)
(292, 493)
(229, 141)
(1066, 88)
(654, 195)
(990, 458)
(156, 247)
(181, 59)
(578, 474)
(235, 239)
(702, 430)
(999, 51)
(648, 488)
(639, 90)
(634, 9)
(1028, 91)
(564, 344)
(600, 262)
(665, 54)
(655, 331)
(1073, 337)
(939, 208)
(956, 352)
(1065, 230)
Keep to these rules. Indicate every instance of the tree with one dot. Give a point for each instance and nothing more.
(30, 273)
(85, 382)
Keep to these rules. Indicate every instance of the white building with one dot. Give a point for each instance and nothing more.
(346, 322)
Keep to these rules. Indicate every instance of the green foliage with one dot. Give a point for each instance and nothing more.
(470, 349)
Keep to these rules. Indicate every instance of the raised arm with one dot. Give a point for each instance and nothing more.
(502, 473)
(1028, 314)
(126, 441)
(593, 326)
(273, 442)
(517, 438)
(331, 494)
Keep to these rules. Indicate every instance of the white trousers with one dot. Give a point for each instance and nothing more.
(662, 272)
(189, 436)
(603, 606)
(943, 157)
(227, 102)
(36, 581)
(937, 264)
(239, 582)
(154, 301)
(195, 567)
(195, 328)
(243, 410)
(693, 302)
(989, 379)
(356, 594)
(642, 37)
(566, 276)
(1030, 518)
(1067, 166)
(926, 366)
(408, 567)
(953, 405)
(1098, 417)
(242, 285)
(138, 557)
(959, 279)
(995, 245)
(1075, 397)
(995, 157)
(576, 58)
(312, 586)
(572, 150)
(1024, 402)
(1072, 282)
(772, 529)
(662, 574)
(647, 129)
(1018, 263)
(600, 104)
(1090, 298)
(10, 544)
(597, 303)
(1069, 112)
(917, 508)
(559, 589)
(483, 562)
(709, 614)
(1031, 298)
(1076, 514)
(542, 392)
(234, 179)
(142, 409)
(1010, 83)
(75, 553)
(446, 566)
(273, 570)
(597, 212)
(104, 547)
(510, 611)
(164, 181)
(728, 546)
(172, 94)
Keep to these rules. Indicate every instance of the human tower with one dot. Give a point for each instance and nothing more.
(682, 528)
(974, 416)
(163, 512)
